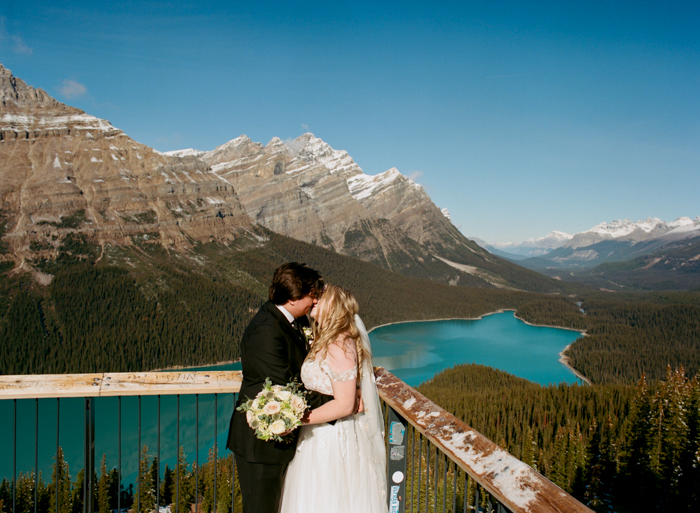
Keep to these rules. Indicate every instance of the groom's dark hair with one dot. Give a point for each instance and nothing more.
(294, 281)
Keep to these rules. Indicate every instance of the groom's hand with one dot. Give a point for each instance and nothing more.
(359, 405)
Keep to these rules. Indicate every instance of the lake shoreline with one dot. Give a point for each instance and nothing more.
(189, 367)
(563, 358)
(583, 332)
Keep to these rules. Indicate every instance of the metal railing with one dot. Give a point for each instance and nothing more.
(435, 462)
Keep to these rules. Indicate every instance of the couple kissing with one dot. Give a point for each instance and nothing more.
(336, 460)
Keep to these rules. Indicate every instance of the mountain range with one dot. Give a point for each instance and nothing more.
(648, 254)
(65, 174)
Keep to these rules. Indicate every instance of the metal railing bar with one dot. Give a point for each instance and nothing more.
(413, 462)
(196, 452)
(233, 469)
(119, 451)
(454, 487)
(58, 469)
(177, 460)
(14, 459)
(444, 483)
(138, 467)
(90, 458)
(216, 455)
(427, 474)
(465, 504)
(420, 461)
(36, 455)
(158, 465)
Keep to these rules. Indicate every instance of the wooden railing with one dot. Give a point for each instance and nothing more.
(471, 464)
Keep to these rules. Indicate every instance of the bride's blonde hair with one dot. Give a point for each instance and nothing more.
(338, 319)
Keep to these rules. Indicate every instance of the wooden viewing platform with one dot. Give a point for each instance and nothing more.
(513, 483)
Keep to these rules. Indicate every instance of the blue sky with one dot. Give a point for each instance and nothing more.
(519, 117)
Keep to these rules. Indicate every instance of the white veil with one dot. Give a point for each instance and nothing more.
(369, 430)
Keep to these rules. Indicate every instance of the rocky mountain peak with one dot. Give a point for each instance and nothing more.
(275, 142)
(63, 171)
(15, 93)
(233, 149)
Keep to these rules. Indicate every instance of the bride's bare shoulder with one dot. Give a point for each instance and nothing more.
(343, 347)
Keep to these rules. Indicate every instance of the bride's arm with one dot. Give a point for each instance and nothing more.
(342, 366)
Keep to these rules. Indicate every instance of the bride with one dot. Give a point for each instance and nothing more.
(339, 467)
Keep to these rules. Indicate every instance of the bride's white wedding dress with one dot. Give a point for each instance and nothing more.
(340, 468)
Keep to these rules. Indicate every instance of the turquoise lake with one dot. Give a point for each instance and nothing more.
(416, 351)
(413, 351)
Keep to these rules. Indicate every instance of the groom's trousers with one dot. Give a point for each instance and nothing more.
(261, 485)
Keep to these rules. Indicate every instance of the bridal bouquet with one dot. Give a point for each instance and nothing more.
(275, 410)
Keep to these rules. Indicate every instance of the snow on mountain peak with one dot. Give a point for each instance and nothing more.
(233, 143)
(446, 213)
(275, 141)
(623, 227)
(363, 186)
(189, 152)
(683, 221)
(313, 150)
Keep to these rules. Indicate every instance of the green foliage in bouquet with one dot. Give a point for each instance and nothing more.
(276, 411)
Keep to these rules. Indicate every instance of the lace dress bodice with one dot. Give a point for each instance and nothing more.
(319, 376)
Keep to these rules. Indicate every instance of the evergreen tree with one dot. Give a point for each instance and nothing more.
(113, 492)
(5, 496)
(77, 499)
(691, 478)
(103, 488)
(60, 485)
(25, 492)
(146, 492)
(153, 480)
(529, 448)
(672, 402)
(636, 470)
(181, 490)
(166, 487)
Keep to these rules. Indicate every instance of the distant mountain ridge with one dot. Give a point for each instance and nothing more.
(64, 173)
(533, 247)
(648, 254)
(623, 229)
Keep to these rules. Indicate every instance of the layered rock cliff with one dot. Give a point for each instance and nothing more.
(64, 171)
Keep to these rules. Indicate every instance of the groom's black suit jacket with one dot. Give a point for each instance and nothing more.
(270, 348)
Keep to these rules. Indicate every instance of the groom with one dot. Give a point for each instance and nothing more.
(274, 347)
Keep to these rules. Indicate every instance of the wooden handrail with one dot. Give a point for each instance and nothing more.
(513, 483)
(119, 383)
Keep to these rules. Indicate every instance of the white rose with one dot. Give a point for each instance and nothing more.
(278, 427)
(284, 395)
(277, 388)
(249, 416)
(298, 404)
(272, 407)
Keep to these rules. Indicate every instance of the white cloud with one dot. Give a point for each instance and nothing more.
(14, 43)
(20, 47)
(415, 175)
(305, 126)
(72, 89)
